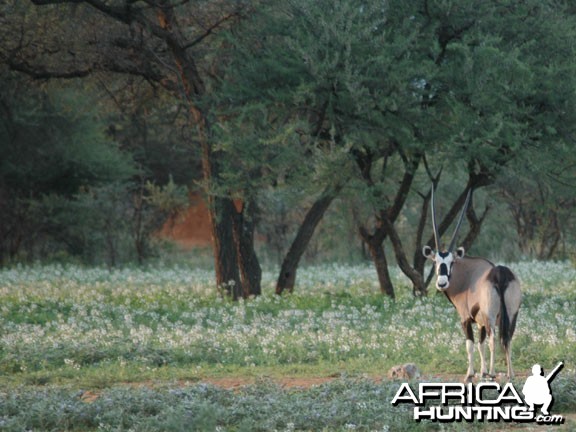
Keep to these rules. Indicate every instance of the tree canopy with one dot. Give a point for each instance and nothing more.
(362, 105)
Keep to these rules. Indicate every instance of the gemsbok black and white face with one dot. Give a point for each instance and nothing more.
(443, 263)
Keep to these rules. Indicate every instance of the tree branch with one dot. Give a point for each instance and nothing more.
(40, 73)
(414, 276)
(410, 167)
(122, 14)
(125, 14)
(210, 29)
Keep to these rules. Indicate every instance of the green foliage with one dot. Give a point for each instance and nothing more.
(55, 142)
(310, 75)
(54, 146)
(299, 96)
(110, 224)
(169, 198)
(70, 192)
(93, 225)
(504, 73)
(151, 126)
(311, 89)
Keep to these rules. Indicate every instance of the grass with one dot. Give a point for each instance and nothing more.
(65, 331)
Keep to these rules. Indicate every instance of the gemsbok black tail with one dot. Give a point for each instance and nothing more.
(501, 276)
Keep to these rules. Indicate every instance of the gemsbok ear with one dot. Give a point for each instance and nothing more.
(460, 252)
(428, 252)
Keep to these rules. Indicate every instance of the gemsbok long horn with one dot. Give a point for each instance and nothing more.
(455, 235)
(434, 225)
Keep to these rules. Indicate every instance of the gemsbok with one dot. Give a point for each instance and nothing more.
(482, 293)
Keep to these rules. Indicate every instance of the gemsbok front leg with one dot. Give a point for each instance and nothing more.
(482, 351)
(492, 347)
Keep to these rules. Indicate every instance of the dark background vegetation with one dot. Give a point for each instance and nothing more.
(314, 130)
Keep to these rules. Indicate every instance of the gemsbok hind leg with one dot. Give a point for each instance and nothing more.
(467, 327)
(482, 351)
(513, 299)
(507, 345)
(508, 351)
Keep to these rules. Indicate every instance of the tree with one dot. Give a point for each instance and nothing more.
(52, 143)
(277, 118)
(329, 98)
(390, 85)
(315, 70)
(161, 41)
(540, 199)
(482, 87)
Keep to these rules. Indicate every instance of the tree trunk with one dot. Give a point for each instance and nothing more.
(248, 264)
(221, 209)
(376, 250)
(381, 264)
(475, 223)
(287, 276)
(386, 218)
(418, 288)
(419, 260)
(138, 235)
(222, 213)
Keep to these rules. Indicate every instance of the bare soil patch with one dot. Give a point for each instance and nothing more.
(287, 382)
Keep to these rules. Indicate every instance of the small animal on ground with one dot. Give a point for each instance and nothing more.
(408, 371)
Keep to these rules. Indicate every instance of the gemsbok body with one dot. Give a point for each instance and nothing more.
(481, 292)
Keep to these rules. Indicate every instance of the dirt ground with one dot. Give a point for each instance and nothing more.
(307, 382)
(236, 383)
(287, 382)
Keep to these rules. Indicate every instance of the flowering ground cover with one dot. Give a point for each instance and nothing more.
(144, 342)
